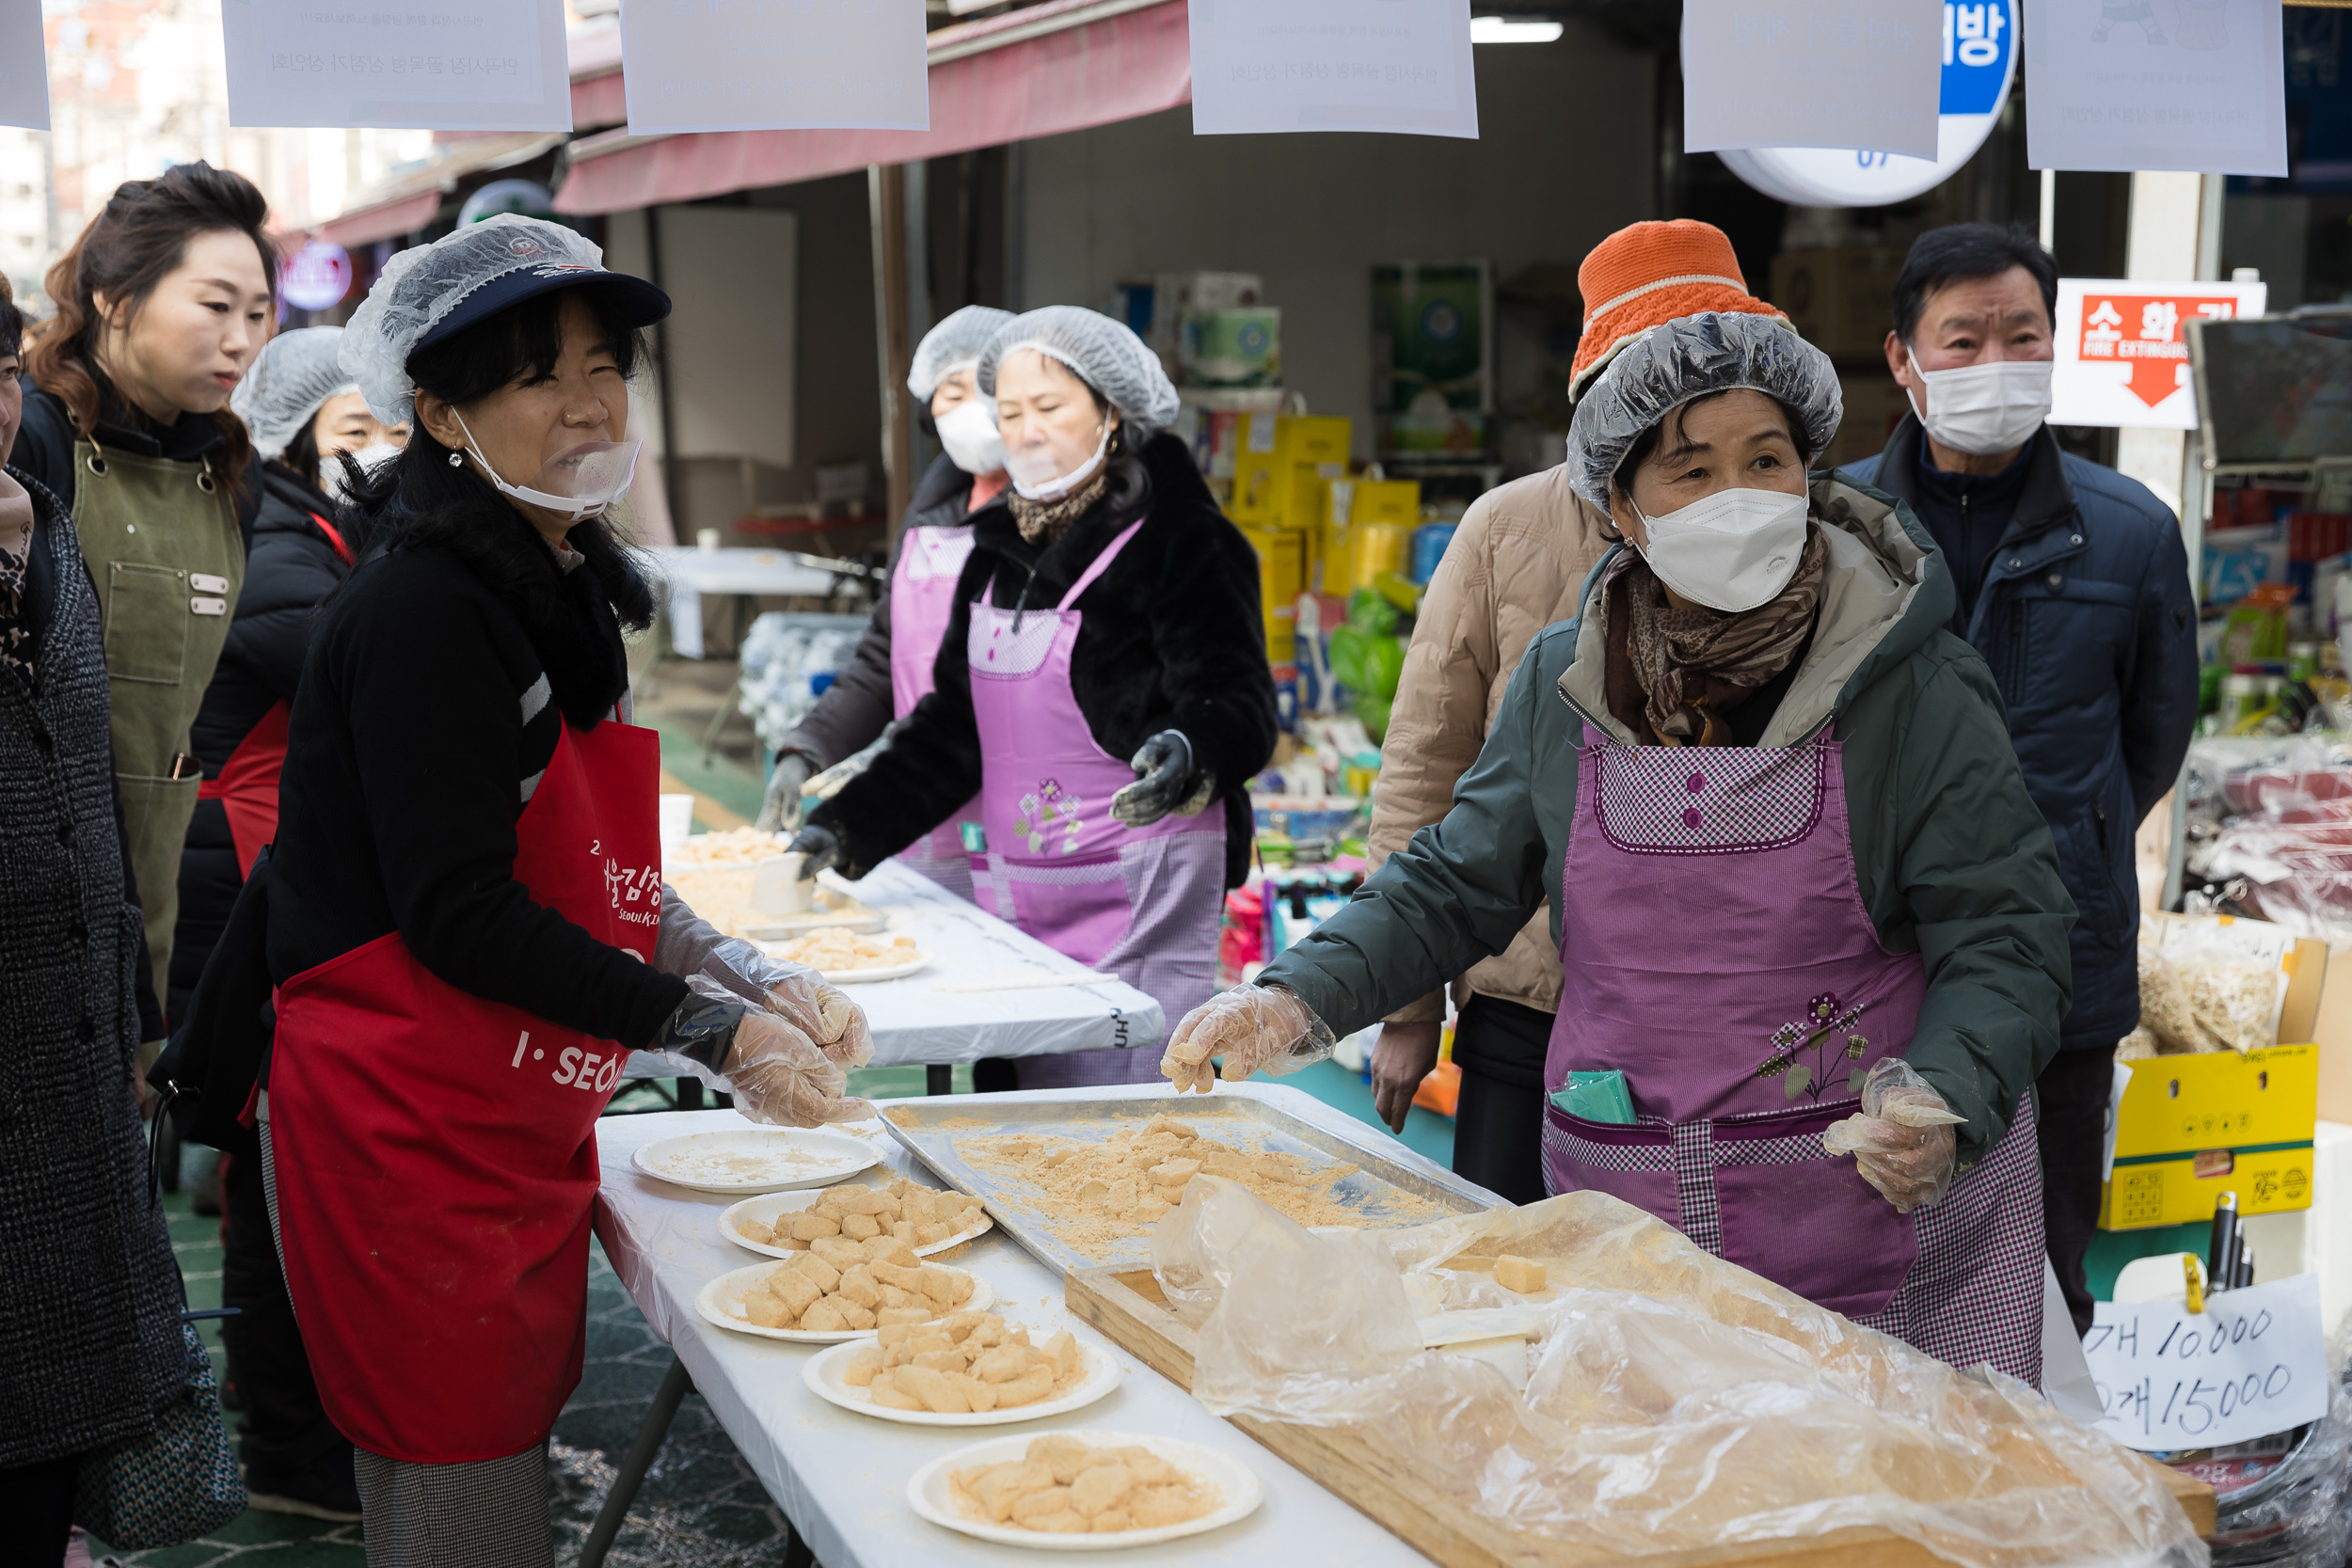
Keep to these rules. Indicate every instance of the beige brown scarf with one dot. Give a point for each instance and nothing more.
(1043, 522)
(1672, 674)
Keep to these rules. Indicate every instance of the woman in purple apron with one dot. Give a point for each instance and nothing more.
(1793, 871)
(1103, 687)
(892, 668)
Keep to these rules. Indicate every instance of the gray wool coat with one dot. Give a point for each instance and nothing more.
(90, 1346)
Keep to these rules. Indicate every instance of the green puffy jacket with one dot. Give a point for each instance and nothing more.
(1955, 862)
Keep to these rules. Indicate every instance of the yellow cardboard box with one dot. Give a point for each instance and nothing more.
(1367, 529)
(1281, 465)
(2192, 1128)
(1281, 577)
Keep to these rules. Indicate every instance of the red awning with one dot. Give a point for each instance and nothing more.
(1039, 71)
(384, 220)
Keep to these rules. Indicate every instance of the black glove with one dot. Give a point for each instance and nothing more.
(1163, 767)
(781, 811)
(820, 849)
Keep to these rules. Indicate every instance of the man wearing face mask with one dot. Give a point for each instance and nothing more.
(892, 668)
(1811, 931)
(2073, 584)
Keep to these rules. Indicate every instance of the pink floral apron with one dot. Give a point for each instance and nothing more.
(1717, 952)
(1142, 903)
(922, 601)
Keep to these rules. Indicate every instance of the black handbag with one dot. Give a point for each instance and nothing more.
(207, 1070)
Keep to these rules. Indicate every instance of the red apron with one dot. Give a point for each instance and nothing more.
(436, 1151)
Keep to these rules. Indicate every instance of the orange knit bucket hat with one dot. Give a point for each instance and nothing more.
(1650, 273)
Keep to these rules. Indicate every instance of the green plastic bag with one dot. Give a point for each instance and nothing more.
(1595, 1097)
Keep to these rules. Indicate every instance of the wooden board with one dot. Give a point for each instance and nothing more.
(1130, 1311)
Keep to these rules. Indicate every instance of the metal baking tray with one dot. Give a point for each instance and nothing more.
(1258, 1116)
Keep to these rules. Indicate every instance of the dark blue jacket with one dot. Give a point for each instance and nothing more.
(2087, 620)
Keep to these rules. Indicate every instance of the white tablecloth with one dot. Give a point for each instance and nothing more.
(842, 1477)
(915, 1021)
(692, 573)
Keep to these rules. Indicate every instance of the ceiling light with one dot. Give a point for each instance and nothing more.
(1497, 30)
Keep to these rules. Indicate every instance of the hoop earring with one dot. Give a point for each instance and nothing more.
(457, 459)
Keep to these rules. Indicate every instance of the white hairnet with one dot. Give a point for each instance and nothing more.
(955, 342)
(1102, 353)
(291, 378)
(423, 285)
(1686, 357)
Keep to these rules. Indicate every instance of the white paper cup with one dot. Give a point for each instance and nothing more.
(777, 888)
(677, 820)
(706, 540)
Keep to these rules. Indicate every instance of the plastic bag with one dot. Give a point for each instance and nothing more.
(2285, 1502)
(1675, 1402)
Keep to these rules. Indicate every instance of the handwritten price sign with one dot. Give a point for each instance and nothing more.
(2252, 1363)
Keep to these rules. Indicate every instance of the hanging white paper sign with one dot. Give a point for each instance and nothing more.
(2113, 87)
(2251, 1364)
(24, 68)
(1861, 73)
(775, 65)
(475, 65)
(1333, 65)
(2122, 348)
(1980, 53)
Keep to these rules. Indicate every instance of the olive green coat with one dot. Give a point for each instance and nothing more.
(1953, 860)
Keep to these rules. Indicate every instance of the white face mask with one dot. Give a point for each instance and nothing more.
(580, 482)
(1732, 550)
(1984, 409)
(1033, 474)
(368, 457)
(968, 432)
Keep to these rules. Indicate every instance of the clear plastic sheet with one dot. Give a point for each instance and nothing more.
(1675, 1402)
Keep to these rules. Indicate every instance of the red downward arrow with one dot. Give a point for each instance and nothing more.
(2154, 380)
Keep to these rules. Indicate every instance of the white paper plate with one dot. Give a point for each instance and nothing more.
(880, 972)
(755, 1159)
(927, 1493)
(823, 1375)
(715, 1300)
(765, 1209)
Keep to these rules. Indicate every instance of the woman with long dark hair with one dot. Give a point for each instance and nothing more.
(1102, 687)
(162, 304)
(467, 925)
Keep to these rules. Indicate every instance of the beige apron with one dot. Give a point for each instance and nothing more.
(162, 547)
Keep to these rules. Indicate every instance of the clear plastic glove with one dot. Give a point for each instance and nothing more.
(1903, 1142)
(825, 1013)
(1161, 766)
(1253, 1028)
(821, 847)
(781, 811)
(782, 1077)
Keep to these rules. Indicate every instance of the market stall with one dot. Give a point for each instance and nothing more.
(843, 1476)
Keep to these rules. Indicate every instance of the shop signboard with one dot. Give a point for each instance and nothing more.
(1332, 65)
(2200, 86)
(2252, 1363)
(2122, 348)
(1764, 73)
(24, 69)
(775, 65)
(480, 65)
(316, 277)
(1979, 66)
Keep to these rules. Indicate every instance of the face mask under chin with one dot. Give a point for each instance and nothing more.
(1032, 471)
(579, 482)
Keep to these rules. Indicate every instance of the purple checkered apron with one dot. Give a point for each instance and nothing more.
(1142, 903)
(922, 602)
(1717, 953)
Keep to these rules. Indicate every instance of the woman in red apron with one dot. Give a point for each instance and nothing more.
(891, 671)
(1102, 687)
(1811, 925)
(467, 928)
